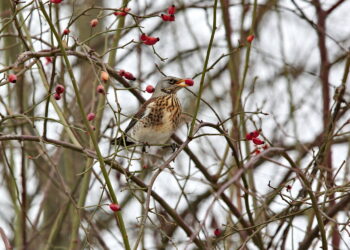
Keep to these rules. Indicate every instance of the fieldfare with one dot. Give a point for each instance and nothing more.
(158, 118)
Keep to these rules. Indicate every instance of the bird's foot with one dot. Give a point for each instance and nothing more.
(144, 147)
(174, 146)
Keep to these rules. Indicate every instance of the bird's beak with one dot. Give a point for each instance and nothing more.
(181, 83)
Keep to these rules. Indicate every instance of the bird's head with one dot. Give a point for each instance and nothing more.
(169, 85)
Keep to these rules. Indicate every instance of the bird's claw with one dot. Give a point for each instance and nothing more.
(144, 147)
(174, 146)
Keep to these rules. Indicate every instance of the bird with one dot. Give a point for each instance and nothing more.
(158, 118)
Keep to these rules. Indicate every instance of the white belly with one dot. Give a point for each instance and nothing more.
(151, 136)
(159, 134)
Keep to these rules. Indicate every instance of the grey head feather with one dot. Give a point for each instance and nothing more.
(166, 86)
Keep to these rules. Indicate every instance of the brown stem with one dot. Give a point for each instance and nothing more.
(334, 209)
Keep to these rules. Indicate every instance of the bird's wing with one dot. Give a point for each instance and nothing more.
(143, 111)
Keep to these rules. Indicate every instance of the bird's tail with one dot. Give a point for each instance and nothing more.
(121, 141)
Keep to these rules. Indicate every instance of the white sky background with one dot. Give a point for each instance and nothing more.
(270, 53)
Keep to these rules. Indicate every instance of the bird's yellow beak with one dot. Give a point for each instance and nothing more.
(181, 83)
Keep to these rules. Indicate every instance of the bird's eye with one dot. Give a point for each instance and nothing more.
(172, 81)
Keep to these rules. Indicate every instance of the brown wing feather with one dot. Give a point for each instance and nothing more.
(123, 141)
(139, 114)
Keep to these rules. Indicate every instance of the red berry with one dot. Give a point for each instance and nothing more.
(217, 232)
(143, 37)
(165, 18)
(56, 1)
(257, 141)
(121, 72)
(114, 207)
(48, 60)
(172, 10)
(149, 89)
(122, 12)
(250, 38)
(256, 133)
(172, 18)
(12, 78)
(94, 22)
(257, 151)
(265, 147)
(151, 40)
(189, 82)
(91, 116)
(249, 136)
(57, 96)
(104, 76)
(119, 13)
(129, 76)
(59, 89)
(253, 134)
(100, 89)
(289, 187)
(66, 31)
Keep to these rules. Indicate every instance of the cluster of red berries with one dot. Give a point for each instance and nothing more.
(259, 144)
(100, 89)
(149, 40)
(126, 75)
(104, 78)
(122, 12)
(170, 17)
(59, 90)
(12, 78)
